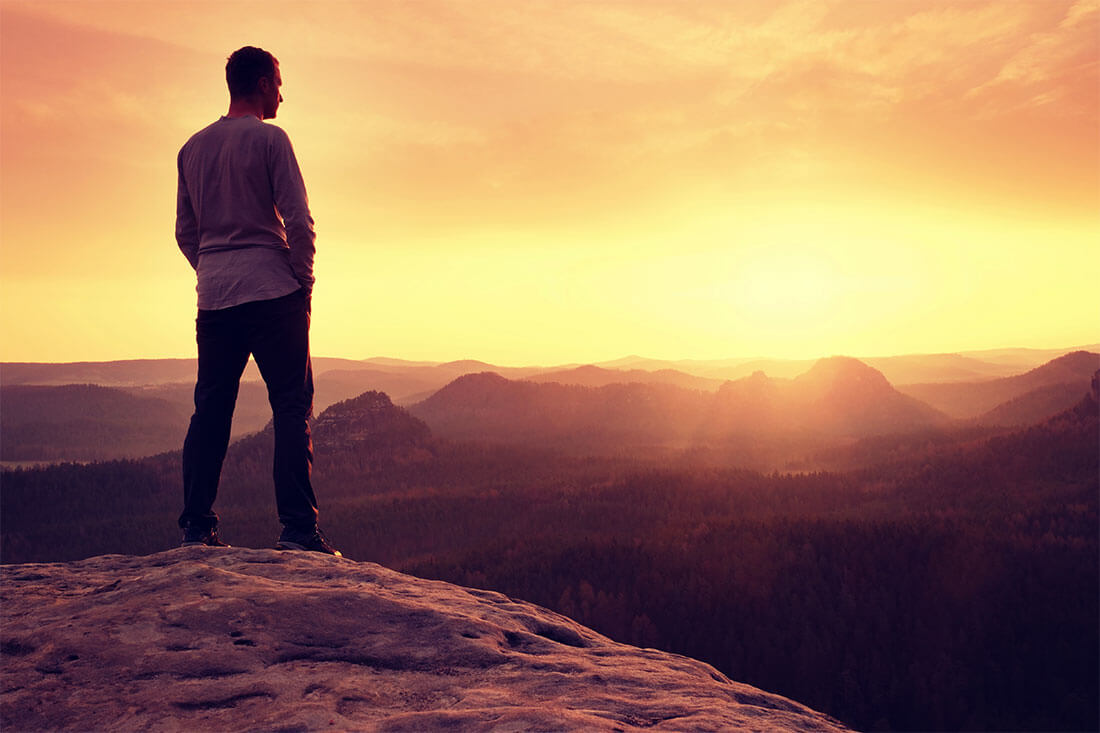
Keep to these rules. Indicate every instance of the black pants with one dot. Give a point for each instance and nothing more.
(276, 333)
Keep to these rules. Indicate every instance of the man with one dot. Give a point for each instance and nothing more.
(243, 222)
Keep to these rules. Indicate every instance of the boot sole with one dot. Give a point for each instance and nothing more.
(284, 545)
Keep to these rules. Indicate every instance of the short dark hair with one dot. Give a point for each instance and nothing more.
(244, 69)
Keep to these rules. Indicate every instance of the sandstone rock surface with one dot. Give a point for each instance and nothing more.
(197, 639)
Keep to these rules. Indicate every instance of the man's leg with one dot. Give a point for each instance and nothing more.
(223, 354)
(280, 344)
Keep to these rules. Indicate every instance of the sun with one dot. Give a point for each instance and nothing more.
(783, 288)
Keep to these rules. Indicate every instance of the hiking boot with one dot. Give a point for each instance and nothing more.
(199, 536)
(311, 541)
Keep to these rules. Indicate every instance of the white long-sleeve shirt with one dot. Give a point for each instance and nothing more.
(242, 214)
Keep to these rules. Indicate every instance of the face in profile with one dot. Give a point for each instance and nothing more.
(271, 94)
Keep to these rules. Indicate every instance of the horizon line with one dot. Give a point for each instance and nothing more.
(632, 356)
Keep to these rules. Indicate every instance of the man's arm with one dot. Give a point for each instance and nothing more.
(187, 224)
(293, 205)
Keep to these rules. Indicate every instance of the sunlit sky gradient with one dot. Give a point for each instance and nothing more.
(549, 182)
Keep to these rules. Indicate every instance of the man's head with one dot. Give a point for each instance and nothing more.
(252, 72)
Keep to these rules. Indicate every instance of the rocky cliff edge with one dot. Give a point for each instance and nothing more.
(240, 639)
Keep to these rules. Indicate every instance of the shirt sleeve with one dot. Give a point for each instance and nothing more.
(187, 224)
(289, 191)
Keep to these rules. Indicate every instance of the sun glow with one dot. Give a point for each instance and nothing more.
(783, 288)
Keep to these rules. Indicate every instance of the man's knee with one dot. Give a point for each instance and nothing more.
(291, 417)
(215, 400)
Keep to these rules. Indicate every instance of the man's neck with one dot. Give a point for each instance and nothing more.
(246, 108)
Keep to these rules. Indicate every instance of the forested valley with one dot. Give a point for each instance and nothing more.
(947, 587)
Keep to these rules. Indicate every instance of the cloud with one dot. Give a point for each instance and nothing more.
(1053, 65)
(448, 100)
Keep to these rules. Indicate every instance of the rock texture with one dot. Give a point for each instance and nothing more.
(204, 639)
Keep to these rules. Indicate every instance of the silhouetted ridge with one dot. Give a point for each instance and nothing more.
(756, 403)
(756, 385)
(845, 395)
(478, 393)
(369, 422)
(1032, 407)
(838, 395)
(591, 375)
(758, 381)
(1070, 367)
(488, 406)
(844, 374)
(466, 364)
(85, 422)
(481, 382)
(976, 399)
(1086, 412)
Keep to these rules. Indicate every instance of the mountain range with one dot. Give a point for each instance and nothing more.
(839, 397)
(429, 376)
(585, 408)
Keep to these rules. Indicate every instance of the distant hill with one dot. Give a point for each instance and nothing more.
(590, 375)
(85, 423)
(135, 372)
(489, 407)
(921, 368)
(1033, 407)
(845, 396)
(974, 399)
(335, 385)
(633, 361)
(839, 396)
(371, 424)
(782, 368)
(385, 361)
(1025, 359)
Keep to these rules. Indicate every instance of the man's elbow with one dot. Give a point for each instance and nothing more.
(301, 237)
(190, 251)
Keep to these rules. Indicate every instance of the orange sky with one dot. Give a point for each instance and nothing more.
(547, 182)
